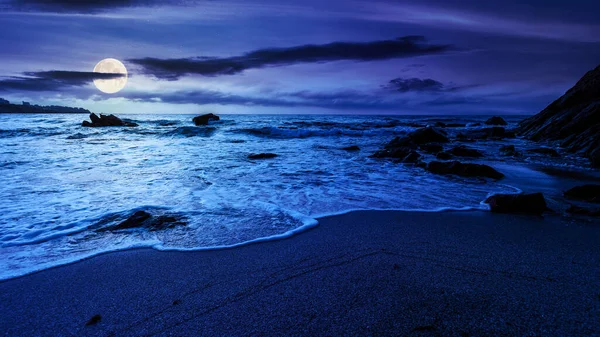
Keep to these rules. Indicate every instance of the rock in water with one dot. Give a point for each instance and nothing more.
(204, 119)
(463, 169)
(578, 210)
(546, 151)
(590, 193)
(403, 147)
(517, 203)
(106, 120)
(509, 150)
(427, 135)
(464, 151)
(495, 132)
(262, 155)
(496, 121)
(146, 220)
(573, 119)
(351, 148)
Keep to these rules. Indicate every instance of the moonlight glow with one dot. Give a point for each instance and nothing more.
(113, 66)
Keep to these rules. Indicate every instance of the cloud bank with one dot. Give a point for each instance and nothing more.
(52, 80)
(173, 69)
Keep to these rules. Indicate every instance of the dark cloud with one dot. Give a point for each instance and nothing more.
(415, 84)
(408, 46)
(51, 80)
(74, 6)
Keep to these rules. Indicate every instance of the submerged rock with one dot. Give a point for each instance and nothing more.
(573, 119)
(464, 169)
(590, 193)
(351, 148)
(464, 151)
(496, 120)
(444, 156)
(143, 219)
(509, 150)
(262, 155)
(517, 203)
(546, 151)
(204, 119)
(192, 131)
(450, 125)
(495, 132)
(106, 120)
(404, 154)
(578, 210)
(431, 148)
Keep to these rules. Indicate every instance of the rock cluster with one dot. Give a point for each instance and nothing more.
(106, 120)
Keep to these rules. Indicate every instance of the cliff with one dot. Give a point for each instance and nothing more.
(573, 119)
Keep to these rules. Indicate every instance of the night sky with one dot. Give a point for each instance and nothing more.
(325, 56)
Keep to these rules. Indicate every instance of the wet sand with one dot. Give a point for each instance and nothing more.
(364, 273)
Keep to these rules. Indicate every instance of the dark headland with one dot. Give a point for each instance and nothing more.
(26, 107)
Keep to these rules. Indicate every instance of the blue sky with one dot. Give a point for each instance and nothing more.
(351, 56)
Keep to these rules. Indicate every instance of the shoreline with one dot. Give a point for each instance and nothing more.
(363, 272)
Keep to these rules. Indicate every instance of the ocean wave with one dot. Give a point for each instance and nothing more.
(192, 131)
(291, 132)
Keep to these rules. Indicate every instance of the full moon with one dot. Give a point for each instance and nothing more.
(112, 66)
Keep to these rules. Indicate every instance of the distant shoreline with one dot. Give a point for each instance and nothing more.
(27, 108)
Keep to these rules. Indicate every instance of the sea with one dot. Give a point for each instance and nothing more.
(61, 183)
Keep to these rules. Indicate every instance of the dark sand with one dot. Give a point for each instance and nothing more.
(364, 273)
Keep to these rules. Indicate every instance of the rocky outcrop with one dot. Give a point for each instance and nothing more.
(431, 148)
(106, 120)
(573, 120)
(403, 154)
(496, 121)
(590, 193)
(204, 119)
(464, 151)
(143, 219)
(517, 203)
(400, 147)
(464, 169)
(262, 155)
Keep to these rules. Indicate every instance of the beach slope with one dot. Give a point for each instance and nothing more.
(363, 273)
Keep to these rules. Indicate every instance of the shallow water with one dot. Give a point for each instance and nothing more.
(62, 182)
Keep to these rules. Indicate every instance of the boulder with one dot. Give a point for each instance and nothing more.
(351, 148)
(464, 151)
(578, 210)
(573, 119)
(204, 119)
(463, 169)
(496, 121)
(427, 135)
(517, 203)
(106, 120)
(545, 151)
(590, 193)
(262, 155)
(404, 154)
(143, 219)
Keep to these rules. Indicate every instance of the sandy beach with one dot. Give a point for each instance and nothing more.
(364, 273)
